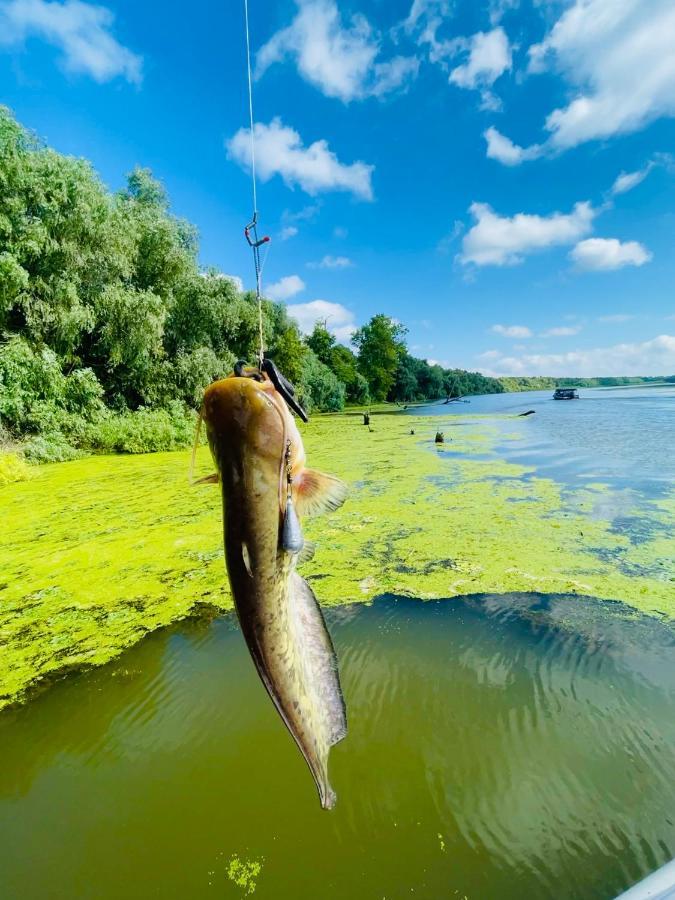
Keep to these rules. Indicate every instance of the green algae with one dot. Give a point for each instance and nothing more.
(13, 467)
(97, 552)
(244, 873)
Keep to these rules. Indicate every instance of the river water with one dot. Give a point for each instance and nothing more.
(620, 435)
(499, 746)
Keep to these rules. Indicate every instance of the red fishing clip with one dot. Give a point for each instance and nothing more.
(251, 227)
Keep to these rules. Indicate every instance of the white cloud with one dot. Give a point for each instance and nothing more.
(489, 57)
(498, 8)
(503, 149)
(285, 288)
(561, 331)
(339, 320)
(654, 357)
(616, 318)
(599, 46)
(213, 273)
(287, 232)
(236, 281)
(279, 151)
(489, 354)
(80, 30)
(339, 60)
(626, 181)
(605, 254)
(512, 331)
(340, 232)
(501, 240)
(306, 214)
(332, 262)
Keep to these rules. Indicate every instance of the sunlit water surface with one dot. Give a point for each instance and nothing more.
(498, 747)
(620, 435)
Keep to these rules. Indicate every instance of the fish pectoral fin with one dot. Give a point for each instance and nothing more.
(208, 479)
(320, 660)
(317, 493)
(307, 552)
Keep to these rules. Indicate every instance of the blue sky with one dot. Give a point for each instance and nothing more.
(497, 175)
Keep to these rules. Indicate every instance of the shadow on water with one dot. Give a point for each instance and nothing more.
(499, 747)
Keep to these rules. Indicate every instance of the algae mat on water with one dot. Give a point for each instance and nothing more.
(97, 552)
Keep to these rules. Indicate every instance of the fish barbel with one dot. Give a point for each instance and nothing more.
(260, 460)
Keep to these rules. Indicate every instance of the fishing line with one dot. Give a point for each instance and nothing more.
(252, 228)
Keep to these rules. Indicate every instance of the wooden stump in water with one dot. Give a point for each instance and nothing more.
(440, 438)
(366, 419)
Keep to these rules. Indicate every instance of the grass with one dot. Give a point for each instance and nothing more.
(97, 552)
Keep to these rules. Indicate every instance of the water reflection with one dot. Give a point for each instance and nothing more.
(499, 746)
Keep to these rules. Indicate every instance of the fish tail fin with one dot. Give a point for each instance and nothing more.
(327, 795)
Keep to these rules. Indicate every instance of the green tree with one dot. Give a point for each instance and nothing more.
(322, 342)
(380, 344)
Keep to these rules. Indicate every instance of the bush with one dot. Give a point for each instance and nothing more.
(144, 431)
(13, 467)
(36, 396)
(320, 388)
(50, 448)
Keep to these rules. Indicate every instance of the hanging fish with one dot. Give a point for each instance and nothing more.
(266, 491)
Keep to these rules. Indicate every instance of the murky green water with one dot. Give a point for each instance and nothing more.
(513, 747)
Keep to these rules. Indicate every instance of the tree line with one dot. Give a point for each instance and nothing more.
(110, 329)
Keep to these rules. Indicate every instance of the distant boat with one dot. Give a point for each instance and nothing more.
(566, 394)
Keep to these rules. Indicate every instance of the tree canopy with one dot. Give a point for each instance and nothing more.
(110, 330)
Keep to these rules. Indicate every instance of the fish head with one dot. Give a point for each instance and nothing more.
(243, 415)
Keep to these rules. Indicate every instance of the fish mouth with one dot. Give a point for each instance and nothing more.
(281, 384)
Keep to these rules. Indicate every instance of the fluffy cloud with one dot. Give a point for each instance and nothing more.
(654, 357)
(287, 232)
(626, 181)
(332, 262)
(512, 331)
(503, 149)
(605, 254)
(501, 240)
(279, 151)
(339, 60)
(81, 31)
(598, 46)
(339, 320)
(561, 331)
(489, 57)
(285, 288)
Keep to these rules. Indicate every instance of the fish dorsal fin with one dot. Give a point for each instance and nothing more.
(317, 493)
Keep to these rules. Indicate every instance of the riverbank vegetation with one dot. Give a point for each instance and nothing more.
(543, 383)
(110, 329)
